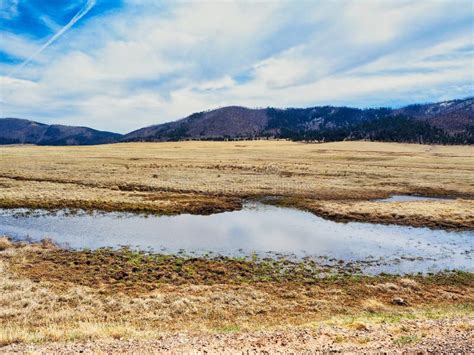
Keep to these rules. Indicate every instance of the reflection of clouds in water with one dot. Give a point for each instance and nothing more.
(261, 229)
(409, 198)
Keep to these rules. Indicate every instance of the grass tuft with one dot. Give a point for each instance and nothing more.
(5, 243)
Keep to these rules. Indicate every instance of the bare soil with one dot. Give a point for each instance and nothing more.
(413, 336)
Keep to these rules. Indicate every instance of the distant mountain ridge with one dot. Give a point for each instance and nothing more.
(227, 122)
(447, 122)
(21, 131)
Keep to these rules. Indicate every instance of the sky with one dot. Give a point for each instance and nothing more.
(121, 65)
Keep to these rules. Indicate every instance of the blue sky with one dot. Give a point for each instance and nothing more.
(121, 65)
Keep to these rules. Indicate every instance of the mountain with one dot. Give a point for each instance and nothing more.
(454, 116)
(20, 131)
(448, 122)
(232, 121)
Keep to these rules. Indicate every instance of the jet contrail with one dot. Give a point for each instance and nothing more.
(87, 7)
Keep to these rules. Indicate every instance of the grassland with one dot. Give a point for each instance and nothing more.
(335, 180)
(114, 301)
(51, 295)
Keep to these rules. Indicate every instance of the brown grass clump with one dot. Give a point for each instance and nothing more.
(334, 180)
(5, 243)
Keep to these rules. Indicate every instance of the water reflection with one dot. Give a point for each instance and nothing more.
(408, 198)
(257, 228)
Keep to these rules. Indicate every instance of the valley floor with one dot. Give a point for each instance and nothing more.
(338, 181)
(57, 300)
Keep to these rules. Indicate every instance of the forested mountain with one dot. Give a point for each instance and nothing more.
(449, 122)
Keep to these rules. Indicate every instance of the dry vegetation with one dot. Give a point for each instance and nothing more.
(122, 301)
(333, 179)
(42, 303)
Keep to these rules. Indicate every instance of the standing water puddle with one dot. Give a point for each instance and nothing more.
(409, 198)
(262, 229)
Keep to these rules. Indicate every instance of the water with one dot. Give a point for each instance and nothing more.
(266, 230)
(408, 198)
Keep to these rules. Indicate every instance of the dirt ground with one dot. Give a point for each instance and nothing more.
(422, 337)
(335, 180)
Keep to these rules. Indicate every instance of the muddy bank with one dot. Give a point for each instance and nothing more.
(132, 271)
(158, 204)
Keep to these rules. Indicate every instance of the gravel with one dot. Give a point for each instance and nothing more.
(420, 336)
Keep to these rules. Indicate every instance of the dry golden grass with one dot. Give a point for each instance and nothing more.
(448, 214)
(41, 309)
(39, 304)
(5, 243)
(332, 179)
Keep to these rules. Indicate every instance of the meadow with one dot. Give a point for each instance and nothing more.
(336, 180)
(117, 300)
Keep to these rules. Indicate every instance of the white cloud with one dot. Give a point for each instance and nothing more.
(226, 82)
(147, 64)
(17, 46)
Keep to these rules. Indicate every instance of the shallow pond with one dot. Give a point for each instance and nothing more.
(265, 230)
(408, 198)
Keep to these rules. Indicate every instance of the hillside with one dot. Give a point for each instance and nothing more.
(454, 116)
(232, 121)
(20, 131)
(449, 122)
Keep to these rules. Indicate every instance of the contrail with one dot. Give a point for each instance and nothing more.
(87, 7)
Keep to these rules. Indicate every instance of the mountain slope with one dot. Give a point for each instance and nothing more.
(445, 122)
(232, 121)
(20, 131)
(448, 122)
(453, 116)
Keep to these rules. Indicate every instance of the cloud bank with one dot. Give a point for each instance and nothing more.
(143, 62)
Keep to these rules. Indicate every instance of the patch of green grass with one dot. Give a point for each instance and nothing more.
(406, 340)
(394, 317)
(231, 328)
(388, 317)
(455, 309)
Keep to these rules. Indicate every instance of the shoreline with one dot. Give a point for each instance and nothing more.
(115, 298)
(337, 210)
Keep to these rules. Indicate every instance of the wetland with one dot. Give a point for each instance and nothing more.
(256, 229)
(222, 242)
